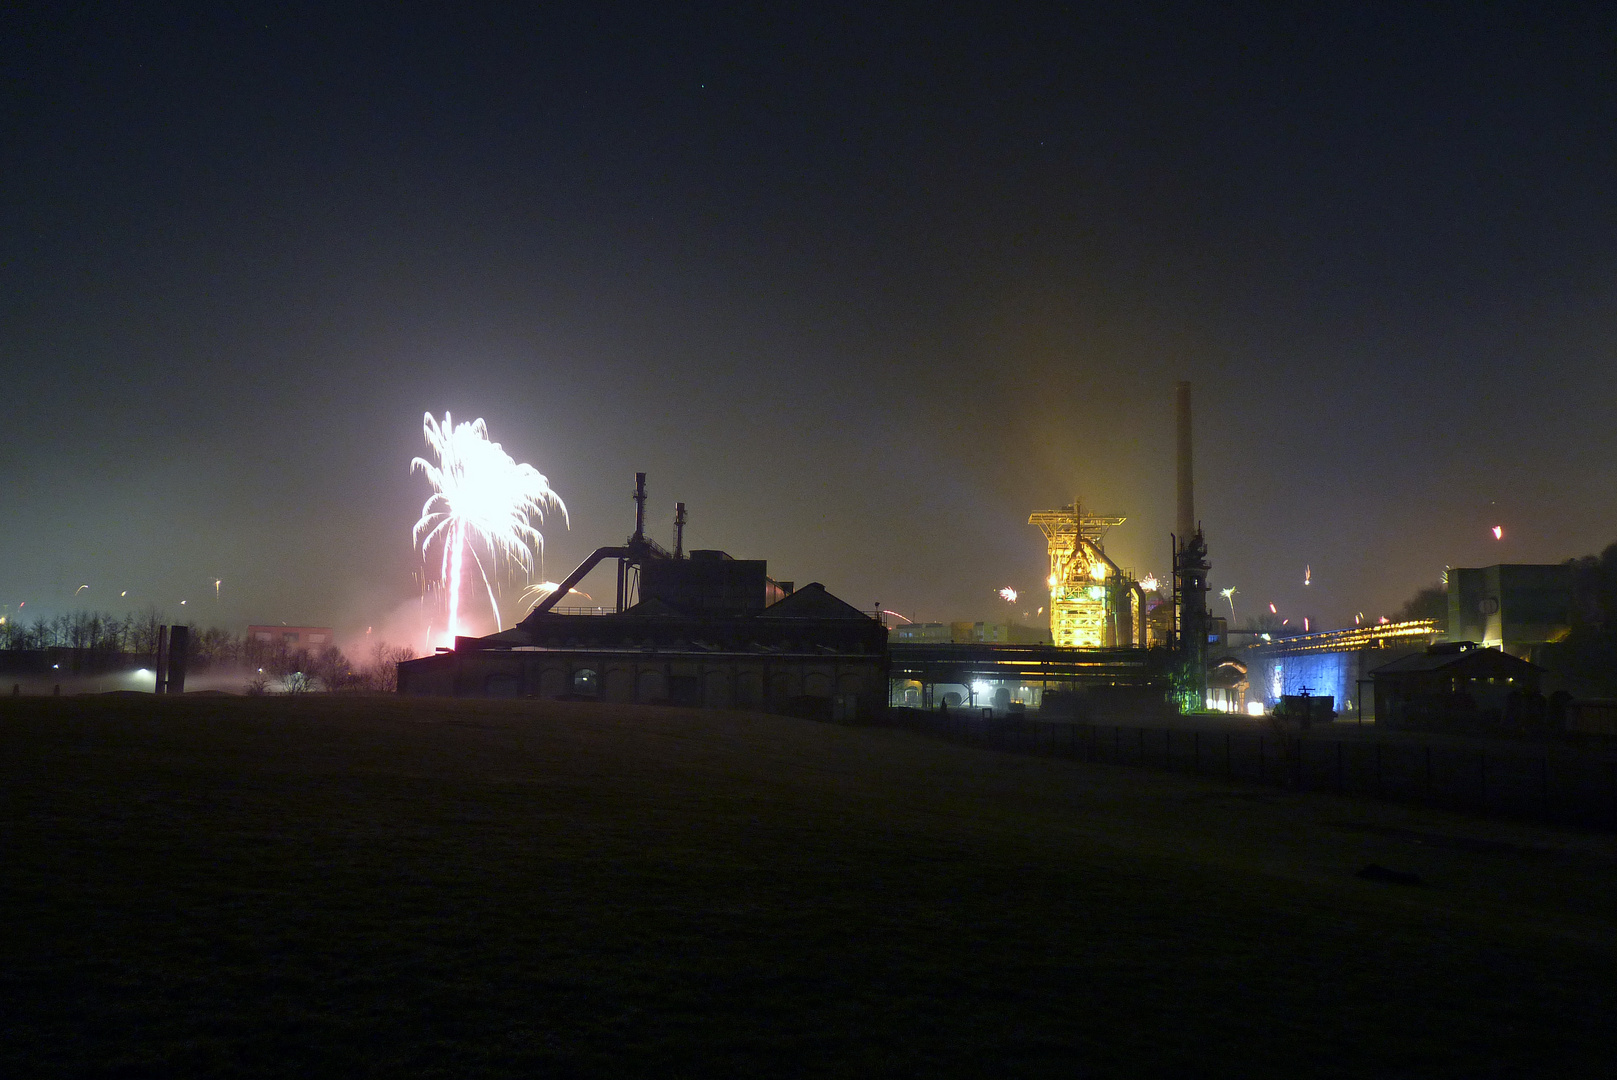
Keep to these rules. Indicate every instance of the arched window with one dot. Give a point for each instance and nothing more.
(585, 682)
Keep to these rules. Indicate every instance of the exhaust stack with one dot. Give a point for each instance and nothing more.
(1187, 480)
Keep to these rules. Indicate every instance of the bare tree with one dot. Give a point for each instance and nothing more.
(383, 673)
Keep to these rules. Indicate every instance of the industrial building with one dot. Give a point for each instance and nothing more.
(1094, 603)
(1007, 679)
(699, 630)
(934, 633)
(1334, 664)
(707, 629)
(314, 638)
(1510, 609)
(1515, 607)
(1459, 686)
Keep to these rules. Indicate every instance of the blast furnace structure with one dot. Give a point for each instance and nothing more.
(1094, 604)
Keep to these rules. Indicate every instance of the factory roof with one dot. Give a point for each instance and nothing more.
(812, 601)
(1454, 654)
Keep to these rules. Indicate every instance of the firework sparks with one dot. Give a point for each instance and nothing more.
(1008, 595)
(1498, 532)
(539, 591)
(480, 496)
(1229, 594)
(1308, 575)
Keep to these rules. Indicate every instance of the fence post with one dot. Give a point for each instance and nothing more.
(1482, 777)
(1195, 753)
(1429, 793)
(1611, 788)
(1262, 765)
(1142, 745)
(1341, 779)
(1378, 770)
(1229, 769)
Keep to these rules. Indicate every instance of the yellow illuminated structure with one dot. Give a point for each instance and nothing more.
(1093, 604)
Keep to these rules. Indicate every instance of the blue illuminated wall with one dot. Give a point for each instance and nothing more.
(1324, 674)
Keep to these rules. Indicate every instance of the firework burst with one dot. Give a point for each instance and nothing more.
(481, 497)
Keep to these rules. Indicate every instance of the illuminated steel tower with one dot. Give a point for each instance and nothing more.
(1093, 604)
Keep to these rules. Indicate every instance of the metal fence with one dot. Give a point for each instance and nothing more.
(1549, 784)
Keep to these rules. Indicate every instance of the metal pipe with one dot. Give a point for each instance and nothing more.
(578, 575)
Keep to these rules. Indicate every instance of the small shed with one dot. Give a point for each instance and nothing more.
(1458, 686)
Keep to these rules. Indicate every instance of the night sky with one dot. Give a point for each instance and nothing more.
(863, 287)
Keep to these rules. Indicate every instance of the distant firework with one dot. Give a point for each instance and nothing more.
(479, 494)
(1498, 532)
(540, 590)
(1008, 595)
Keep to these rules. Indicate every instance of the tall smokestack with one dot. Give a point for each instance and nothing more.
(1187, 481)
(639, 506)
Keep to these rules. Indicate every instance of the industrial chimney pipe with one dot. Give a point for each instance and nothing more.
(1187, 480)
(639, 506)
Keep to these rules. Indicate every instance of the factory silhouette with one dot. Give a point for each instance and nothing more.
(702, 628)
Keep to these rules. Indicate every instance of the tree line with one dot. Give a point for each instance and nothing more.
(106, 639)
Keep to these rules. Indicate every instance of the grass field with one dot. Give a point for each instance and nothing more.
(375, 886)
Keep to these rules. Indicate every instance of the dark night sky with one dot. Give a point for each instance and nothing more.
(864, 288)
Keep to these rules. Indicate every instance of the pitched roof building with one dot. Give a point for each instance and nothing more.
(704, 633)
(1458, 686)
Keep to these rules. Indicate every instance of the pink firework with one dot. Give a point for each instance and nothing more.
(481, 498)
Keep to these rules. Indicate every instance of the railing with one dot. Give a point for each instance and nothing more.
(1563, 789)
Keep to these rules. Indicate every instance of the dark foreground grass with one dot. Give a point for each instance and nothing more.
(353, 887)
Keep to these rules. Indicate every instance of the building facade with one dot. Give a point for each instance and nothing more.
(1515, 607)
(1461, 687)
(704, 637)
